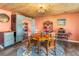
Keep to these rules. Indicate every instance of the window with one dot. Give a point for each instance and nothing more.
(61, 22)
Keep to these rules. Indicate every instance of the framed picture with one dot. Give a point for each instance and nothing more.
(4, 18)
(61, 22)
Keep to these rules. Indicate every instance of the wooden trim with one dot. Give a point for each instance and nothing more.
(13, 22)
(1, 37)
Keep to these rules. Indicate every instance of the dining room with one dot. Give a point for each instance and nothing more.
(39, 29)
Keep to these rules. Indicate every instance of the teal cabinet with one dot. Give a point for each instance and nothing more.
(8, 38)
(19, 28)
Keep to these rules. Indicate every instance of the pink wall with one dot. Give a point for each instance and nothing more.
(5, 26)
(71, 25)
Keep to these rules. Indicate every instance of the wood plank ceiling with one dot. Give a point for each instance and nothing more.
(31, 9)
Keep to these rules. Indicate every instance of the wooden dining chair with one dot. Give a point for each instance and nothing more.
(34, 41)
(45, 44)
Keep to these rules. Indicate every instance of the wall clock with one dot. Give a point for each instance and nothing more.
(4, 18)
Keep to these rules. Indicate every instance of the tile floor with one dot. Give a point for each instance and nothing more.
(71, 50)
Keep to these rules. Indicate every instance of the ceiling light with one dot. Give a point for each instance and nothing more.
(42, 9)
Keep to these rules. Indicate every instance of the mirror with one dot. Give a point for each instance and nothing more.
(4, 18)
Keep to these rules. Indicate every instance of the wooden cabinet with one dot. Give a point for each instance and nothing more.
(1, 37)
(7, 38)
(13, 22)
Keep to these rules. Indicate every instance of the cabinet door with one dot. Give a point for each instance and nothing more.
(19, 28)
(8, 39)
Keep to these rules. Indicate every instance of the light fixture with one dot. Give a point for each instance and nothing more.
(41, 9)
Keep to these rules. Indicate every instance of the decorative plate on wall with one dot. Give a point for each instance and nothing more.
(4, 18)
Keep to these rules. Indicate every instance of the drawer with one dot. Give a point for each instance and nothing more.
(8, 33)
(8, 36)
(8, 43)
